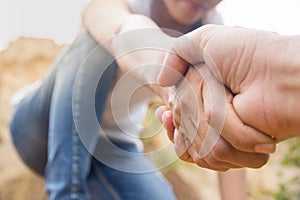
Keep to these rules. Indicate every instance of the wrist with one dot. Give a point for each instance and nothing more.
(286, 69)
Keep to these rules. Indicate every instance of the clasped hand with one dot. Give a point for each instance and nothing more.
(228, 112)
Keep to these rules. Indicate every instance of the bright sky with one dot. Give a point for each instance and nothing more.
(60, 19)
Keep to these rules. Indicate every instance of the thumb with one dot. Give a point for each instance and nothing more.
(185, 51)
(174, 67)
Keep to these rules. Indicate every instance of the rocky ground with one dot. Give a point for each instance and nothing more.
(27, 60)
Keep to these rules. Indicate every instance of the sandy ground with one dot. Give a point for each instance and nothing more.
(26, 61)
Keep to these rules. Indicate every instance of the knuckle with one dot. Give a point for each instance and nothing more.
(242, 139)
(212, 161)
(204, 33)
(260, 161)
(177, 110)
(202, 130)
(222, 151)
(170, 104)
(200, 162)
(176, 115)
(208, 114)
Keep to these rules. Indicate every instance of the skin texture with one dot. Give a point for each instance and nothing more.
(262, 79)
(189, 141)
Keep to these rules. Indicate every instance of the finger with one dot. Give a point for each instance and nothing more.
(180, 143)
(174, 67)
(245, 137)
(186, 52)
(159, 112)
(193, 123)
(242, 136)
(209, 161)
(225, 120)
(203, 139)
(255, 116)
(191, 47)
(167, 119)
(223, 151)
(223, 157)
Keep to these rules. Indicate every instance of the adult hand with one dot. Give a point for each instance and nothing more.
(260, 68)
(196, 141)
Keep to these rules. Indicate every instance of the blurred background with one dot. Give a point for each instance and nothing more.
(59, 20)
(32, 32)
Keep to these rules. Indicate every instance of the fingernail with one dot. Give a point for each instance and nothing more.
(158, 112)
(265, 148)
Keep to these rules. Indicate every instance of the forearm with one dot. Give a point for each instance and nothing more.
(140, 42)
(140, 48)
(104, 18)
(233, 184)
(135, 40)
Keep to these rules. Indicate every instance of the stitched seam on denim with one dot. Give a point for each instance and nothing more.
(109, 187)
(75, 166)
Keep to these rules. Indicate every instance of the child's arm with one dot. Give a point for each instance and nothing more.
(233, 184)
(106, 19)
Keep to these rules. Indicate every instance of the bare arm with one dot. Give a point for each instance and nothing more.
(233, 184)
(135, 40)
(104, 18)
